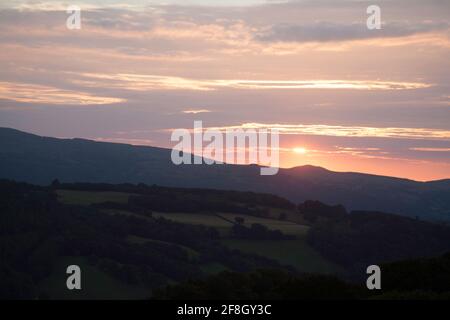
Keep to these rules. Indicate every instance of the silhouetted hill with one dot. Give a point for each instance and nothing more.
(39, 160)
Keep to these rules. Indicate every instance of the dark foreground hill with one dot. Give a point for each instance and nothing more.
(39, 160)
(131, 241)
(420, 279)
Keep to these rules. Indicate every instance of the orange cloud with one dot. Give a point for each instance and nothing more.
(346, 131)
(32, 93)
(431, 149)
(143, 82)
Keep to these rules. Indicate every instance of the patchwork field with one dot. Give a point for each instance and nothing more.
(75, 197)
(295, 253)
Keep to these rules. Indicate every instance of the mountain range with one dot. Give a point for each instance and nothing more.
(39, 160)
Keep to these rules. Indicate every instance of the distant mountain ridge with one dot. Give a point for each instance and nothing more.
(35, 159)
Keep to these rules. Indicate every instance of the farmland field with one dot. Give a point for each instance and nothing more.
(228, 219)
(295, 253)
(94, 197)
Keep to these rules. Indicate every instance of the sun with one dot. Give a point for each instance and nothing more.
(300, 150)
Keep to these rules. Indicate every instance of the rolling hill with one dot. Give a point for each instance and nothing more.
(133, 241)
(35, 159)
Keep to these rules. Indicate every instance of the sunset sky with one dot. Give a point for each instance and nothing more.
(343, 97)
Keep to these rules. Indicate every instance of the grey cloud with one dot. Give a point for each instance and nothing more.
(120, 19)
(330, 31)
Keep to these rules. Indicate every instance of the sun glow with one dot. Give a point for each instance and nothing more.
(300, 150)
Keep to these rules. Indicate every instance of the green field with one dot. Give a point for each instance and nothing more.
(228, 219)
(294, 253)
(95, 284)
(86, 198)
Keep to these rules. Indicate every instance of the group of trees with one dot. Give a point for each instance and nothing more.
(316, 211)
(360, 238)
(166, 199)
(257, 231)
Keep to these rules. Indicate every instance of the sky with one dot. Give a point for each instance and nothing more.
(343, 97)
